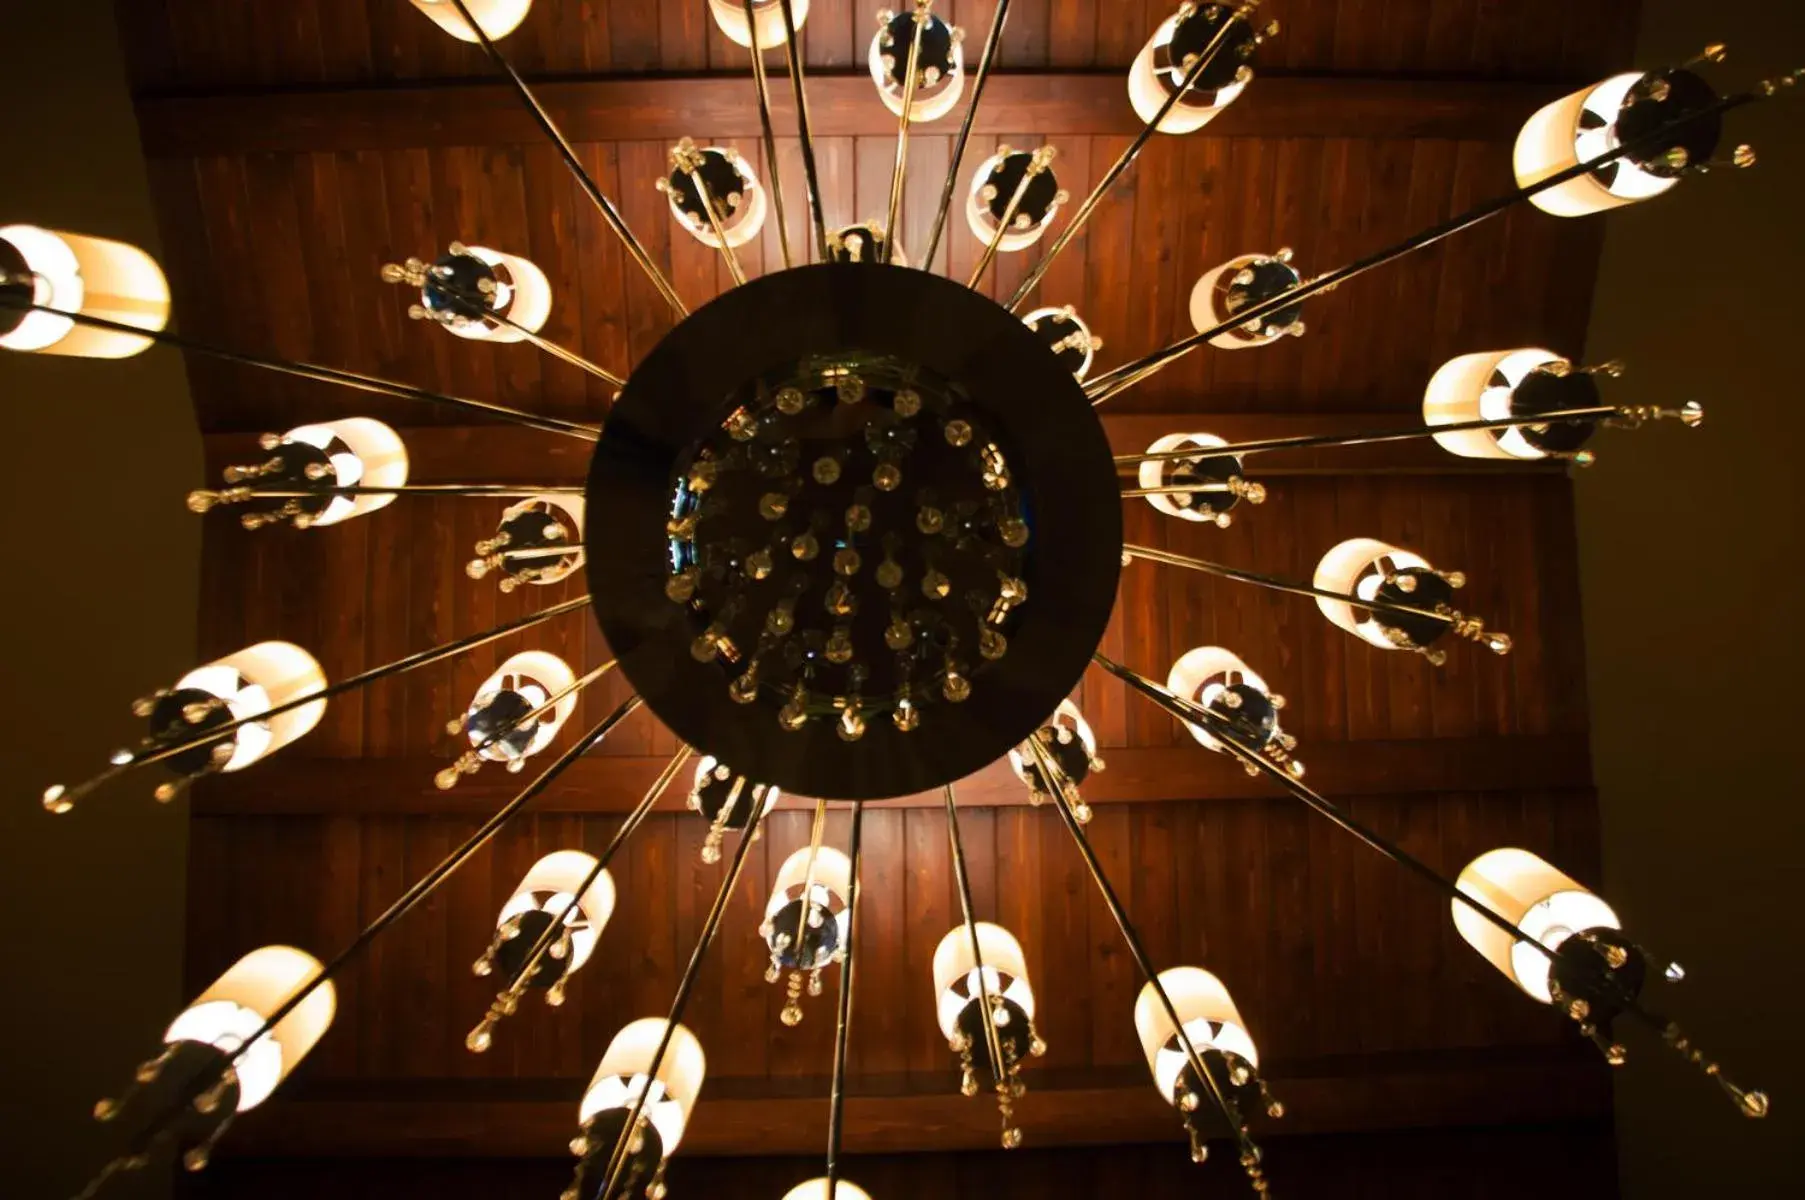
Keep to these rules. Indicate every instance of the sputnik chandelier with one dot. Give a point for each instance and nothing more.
(862, 538)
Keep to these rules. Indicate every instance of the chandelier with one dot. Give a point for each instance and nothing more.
(854, 531)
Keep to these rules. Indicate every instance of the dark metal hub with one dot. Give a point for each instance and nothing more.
(1056, 328)
(1007, 175)
(1248, 712)
(1015, 1034)
(1070, 756)
(715, 171)
(1224, 1068)
(501, 719)
(454, 284)
(1428, 590)
(1271, 279)
(1215, 469)
(862, 535)
(169, 723)
(1658, 100)
(936, 48)
(820, 935)
(1582, 969)
(511, 955)
(600, 1135)
(1544, 391)
(16, 288)
(1192, 37)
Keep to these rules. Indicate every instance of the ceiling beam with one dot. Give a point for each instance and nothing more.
(613, 783)
(464, 1118)
(1051, 104)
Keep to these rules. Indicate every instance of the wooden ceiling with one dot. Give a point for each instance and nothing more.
(295, 147)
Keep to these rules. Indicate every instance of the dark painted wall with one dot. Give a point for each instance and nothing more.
(1690, 545)
(98, 457)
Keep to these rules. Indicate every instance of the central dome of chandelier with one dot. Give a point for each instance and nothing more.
(854, 531)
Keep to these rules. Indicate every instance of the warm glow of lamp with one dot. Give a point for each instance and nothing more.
(1358, 567)
(956, 983)
(523, 683)
(1575, 129)
(829, 882)
(1478, 387)
(1536, 897)
(739, 199)
(863, 241)
(364, 453)
(940, 65)
(767, 20)
(1238, 284)
(1210, 1020)
(524, 296)
(1000, 173)
(623, 1073)
(816, 1189)
(253, 681)
(1189, 506)
(1202, 673)
(498, 18)
(1155, 76)
(549, 885)
(237, 1004)
(76, 273)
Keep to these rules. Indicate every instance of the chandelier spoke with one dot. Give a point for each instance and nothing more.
(1127, 157)
(1119, 380)
(1037, 166)
(618, 1157)
(793, 55)
(203, 499)
(992, 1046)
(899, 170)
(991, 41)
(687, 159)
(843, 1014)
(603, 205)
(60, 799)
(507, 1000)
(764, 119)
(1066, 805)
(303, 370)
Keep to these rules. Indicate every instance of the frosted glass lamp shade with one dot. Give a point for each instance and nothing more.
(1208, 1014)
(253, 681)
(940, 65)
(523, 683)
(1156, 74)
(1479, 387)
(498, 18)
(739, 200)
(1533, 895)
(1201, 673)
(1577, 128)
(956, 982)
(80, 274)
(816, 1189)
(1039, 204)
(548, 886)
(831, 878)
(237, 1004)
(1357, 567)
(767, 20)
(364, 453)
(623, 1074)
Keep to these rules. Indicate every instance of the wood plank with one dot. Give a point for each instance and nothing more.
(453, 1119)
(602, 783)
(600, 109)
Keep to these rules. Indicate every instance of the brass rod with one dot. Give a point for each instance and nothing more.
(843, 1017)
(714, 220)
(996, 238)
(793, 53)
(1280, 585)
(992, 1045)
(991, 42)
(900, 169)
(764, 119)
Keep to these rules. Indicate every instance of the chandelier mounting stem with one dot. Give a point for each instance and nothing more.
(1126, 376)
(618, 1158)
(901, 167)
(543, 119)
(992, 1047)
(1281, 585)
(1062, 802)
(774, 180)
(63, 798)
(843, 1015)
(1116, 169)
(794, 56)
(1315, 441)
(318, 374)
(991, 41)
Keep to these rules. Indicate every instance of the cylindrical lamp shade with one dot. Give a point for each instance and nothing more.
(498, 18)
(994, 186)
(939, 64)
(623, 1073)
(816, 1189)
(1210, 1020)
(1576, 129)
(767, 20)
(237, 1004)
(248, 683)
(1480, 387)
(76, 273)
(1210, 503)
(1067, 336)
(863, 242)
(956, 982)
(1359, 567)
(523, 683)
(529, 530)
(1535, 896)
(1159, 70)
(522, 294)
(363, 452)
(738, 199)
(1202, 673)
(1236, 286)
(548, 886)
(828, 882)
(1074, 748)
